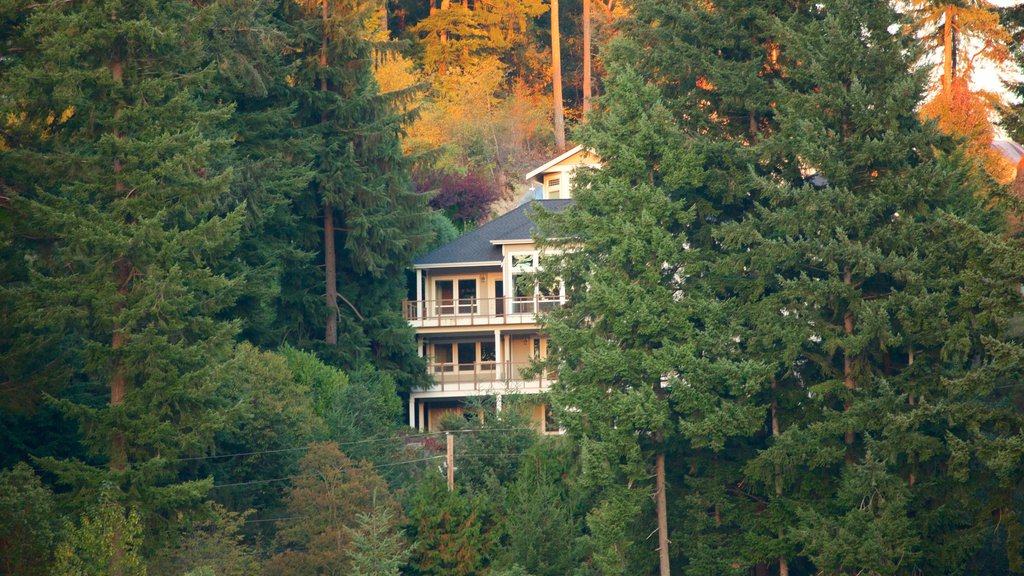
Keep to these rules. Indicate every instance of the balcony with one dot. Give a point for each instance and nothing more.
(477, 311)
(487, 378)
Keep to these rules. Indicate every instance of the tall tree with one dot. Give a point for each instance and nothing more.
(863, 291)
(556, 78)
(369, 217)
(644, 353)
(125, 220)
(966, 32)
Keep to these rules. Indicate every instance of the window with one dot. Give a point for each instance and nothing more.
(467, 356)
(443, 358)
(550, 424)
(554, 188)
(444, 292)
(467, 296)
(523, 262)
(487, 356)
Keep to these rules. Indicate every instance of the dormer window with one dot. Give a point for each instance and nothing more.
(554, 188)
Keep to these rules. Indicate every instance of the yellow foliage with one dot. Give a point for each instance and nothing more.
(968, 114)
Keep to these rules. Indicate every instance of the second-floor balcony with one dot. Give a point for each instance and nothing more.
(488, 377)
(478, 311)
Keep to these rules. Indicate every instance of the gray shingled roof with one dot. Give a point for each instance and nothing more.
(476, 246)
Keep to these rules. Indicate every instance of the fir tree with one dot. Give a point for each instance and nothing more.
(123, 219)
(863, 288)
(646, 362)
(369, 219)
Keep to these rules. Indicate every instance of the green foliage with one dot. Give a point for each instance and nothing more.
(29, 524)
(210, 546)
(452, 530)
(324, 504)
(540, 523)
(106, 540)
(378, 547)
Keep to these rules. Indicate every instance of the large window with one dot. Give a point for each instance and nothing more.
(444, 291)
(467, 296)
(487, 356)
(443, 359)
(467, 356)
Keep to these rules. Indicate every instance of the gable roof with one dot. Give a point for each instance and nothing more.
(482, 246)
(543, 168)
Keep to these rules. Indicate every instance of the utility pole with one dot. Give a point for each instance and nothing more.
(451, 461)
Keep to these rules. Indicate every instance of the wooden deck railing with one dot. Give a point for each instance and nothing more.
(474, 311)
(487, 376)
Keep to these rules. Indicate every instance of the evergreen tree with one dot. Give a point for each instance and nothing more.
(378, 547)
(369, 219)
(879, 290)
(123, 218)
(324, 504)
(646, 360)
(29, 524)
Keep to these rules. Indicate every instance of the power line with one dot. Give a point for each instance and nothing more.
(297, 476)
(297, 448)
(352, 443)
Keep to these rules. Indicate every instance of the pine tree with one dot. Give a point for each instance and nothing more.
(369, 219)
(648, 376)
(124, 219)
(378, 547)
(863, 287)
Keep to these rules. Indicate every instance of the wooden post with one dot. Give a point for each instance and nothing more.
(451, 461)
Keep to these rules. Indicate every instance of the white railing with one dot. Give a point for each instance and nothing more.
(478, 311)
(488, 377)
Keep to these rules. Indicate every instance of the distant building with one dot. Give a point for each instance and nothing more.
(1012, 152)
(476, 317)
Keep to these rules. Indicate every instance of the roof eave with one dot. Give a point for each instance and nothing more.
(554, 161)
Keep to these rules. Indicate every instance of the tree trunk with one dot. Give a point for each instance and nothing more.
(122, 270)
(848, 379)
(588, 89)
(556, 78)
(947, 50)
(330, 257)
(662, 505)
(330, 276)
(776, 432)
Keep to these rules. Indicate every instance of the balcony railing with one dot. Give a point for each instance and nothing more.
(478, 311)
(488, 377)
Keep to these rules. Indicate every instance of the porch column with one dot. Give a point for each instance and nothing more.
(499, 365)
(412, 412)
(419, 293)
(421, 414)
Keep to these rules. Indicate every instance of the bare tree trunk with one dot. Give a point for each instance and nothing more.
(948, 68)
(330, 256)
(556, 77)
(662, 505)
(587, 80)
(848, 379)
(776, 432)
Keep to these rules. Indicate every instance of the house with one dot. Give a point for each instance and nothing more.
(475, 312)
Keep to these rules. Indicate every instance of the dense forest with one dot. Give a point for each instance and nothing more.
(794, 337)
